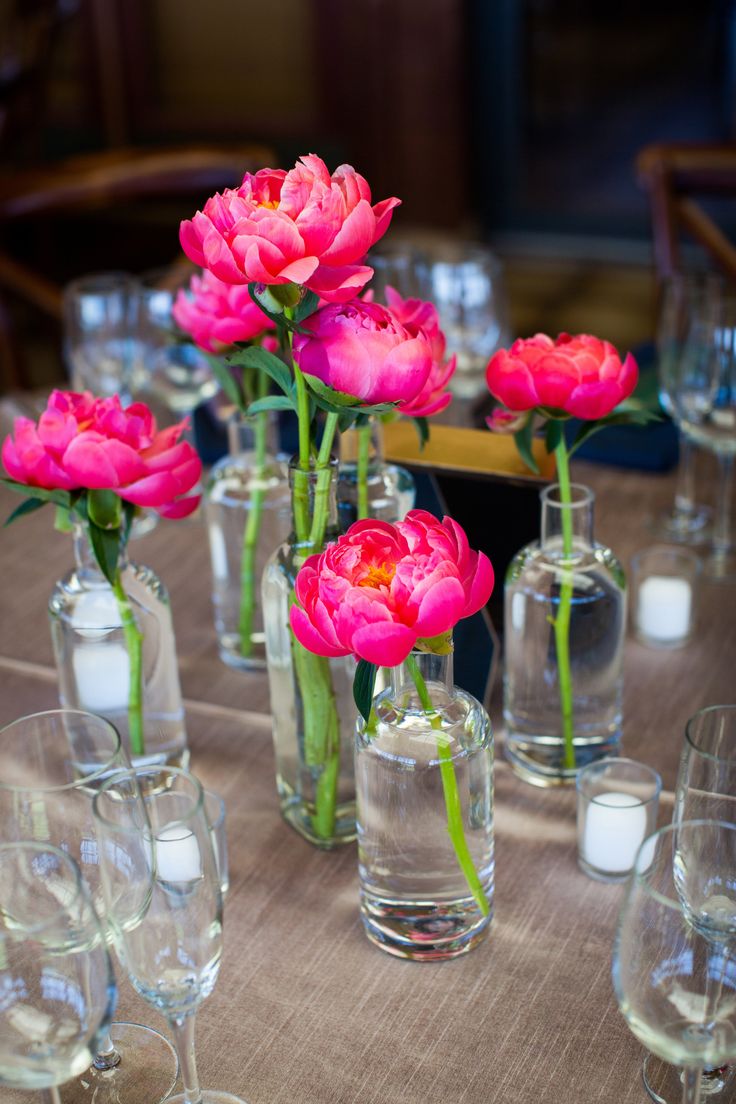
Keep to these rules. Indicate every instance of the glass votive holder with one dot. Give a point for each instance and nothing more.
(214, 808)
(664, 585)
(617, 810)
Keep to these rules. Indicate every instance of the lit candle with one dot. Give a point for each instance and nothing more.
(102, 676)
(177, 855)
(615, 825)
(664, 608)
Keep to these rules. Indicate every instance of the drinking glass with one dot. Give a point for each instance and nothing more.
(704, 407)
(51, 765)
(99, 328)
(687, 300)
(706, 787)
(674, 972)
(162, 888)
(58, 991)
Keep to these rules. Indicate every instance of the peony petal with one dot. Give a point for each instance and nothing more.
(386, 643)
(308, 636)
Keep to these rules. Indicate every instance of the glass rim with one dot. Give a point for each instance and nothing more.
(99, 282)
(100, 770)
(139, 772)
(671, 552)
(589, 770)
(67, 861)
(690, 739)
(586, 496)
(639, 876)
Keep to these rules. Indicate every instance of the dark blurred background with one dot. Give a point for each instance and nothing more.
(515, 122)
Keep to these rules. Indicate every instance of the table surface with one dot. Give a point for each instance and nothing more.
(305, 1009)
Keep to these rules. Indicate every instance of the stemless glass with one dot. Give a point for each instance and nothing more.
(674, 973)
(99, 325)
(687, 300)
(58, 991)
(706, 787)
(51, 765)
(164, 901)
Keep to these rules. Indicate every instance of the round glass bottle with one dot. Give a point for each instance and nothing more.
(311, 698)
(424, 781)
(368, 486)
(537, 580)
(93, 658)
(246, 506)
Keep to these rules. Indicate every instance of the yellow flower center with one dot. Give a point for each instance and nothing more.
(271, 204)
(379, 575)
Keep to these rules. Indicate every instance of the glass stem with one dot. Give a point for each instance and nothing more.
(182, 1028)
(49, 1096)
(107, 1056)
(691, 1085)
(685, 485)
(722, 527)
(561, 622)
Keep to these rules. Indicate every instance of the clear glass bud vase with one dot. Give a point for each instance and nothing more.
(311, 699)
(368, 486)
(246, 507)
(424, 783)
(93, 655)
(540, 583)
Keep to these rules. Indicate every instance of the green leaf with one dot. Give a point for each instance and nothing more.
(628, 416)
(104, 509)
(422, 427)
(523, 438)
(106, 547)
(307, 306)
(347, 418)
(224, 377)
(363, 686)
(61, 498)
(271, 402)
(552, 434)
(262, 361)
(27, 507)
(335, 400)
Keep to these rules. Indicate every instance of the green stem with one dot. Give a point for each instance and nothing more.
(321, 734)
(364, 448)
(452, 797)
(253, 529)
(301, 475)
(322, 487)
(562, 620)
(134, 643)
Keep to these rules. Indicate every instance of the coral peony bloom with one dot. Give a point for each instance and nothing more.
(582, 376)
(216, 314)
(421, 317)
(361, 349)
(501, 420)
(303, 227)
(85, 443)
(381, 589)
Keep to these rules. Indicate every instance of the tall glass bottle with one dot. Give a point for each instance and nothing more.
(246, 507)
(424, 784)
(93, 657)
(535, 580)
(311, 701)
(368, 486)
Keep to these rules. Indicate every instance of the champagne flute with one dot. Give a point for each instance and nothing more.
(162, 889)
(674, 973)
(706, 787)
(58, 990)
(51, 765)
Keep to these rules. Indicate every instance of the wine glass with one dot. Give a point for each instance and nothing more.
(704, 406)
(58, 990)
(162, 888)
(687, 300)
(674, 973)
(706, 787)
(99, 328)
(51, 765)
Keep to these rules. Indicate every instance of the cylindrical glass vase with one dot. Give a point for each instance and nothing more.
(311, 701)
(368, 487)
(247, 507)
(541, 584)
(93, 656)
(424, 785)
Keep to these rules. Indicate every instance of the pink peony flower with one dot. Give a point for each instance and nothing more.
(420, 317)
(501, 420)
(303, 227)
(216, 314)
(361, 349)
(582, 376)
(381, 589)
(82, 443)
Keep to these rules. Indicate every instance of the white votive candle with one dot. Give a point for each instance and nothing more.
(664, 608)
(102, 675)
(615, 825)
(177, 855)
